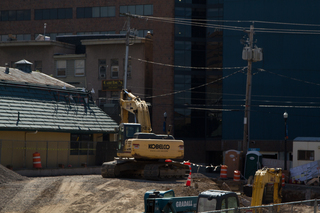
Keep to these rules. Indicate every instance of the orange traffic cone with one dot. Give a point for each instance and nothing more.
(188, 183)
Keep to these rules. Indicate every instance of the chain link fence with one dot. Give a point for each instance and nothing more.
(305, 206)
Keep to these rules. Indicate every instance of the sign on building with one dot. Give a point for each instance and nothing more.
(112, 85)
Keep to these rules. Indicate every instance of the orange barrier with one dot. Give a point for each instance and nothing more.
(189, 164)
(236, 175)
(223, 172)
(188, 183)
(36, 160)
(283, 180)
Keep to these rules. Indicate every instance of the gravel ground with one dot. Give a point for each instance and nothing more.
(91, 193)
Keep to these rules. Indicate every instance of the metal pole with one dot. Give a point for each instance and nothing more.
(127, 55)
(246, 128)
(285, 144)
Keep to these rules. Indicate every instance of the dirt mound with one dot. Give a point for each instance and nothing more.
(7, 175)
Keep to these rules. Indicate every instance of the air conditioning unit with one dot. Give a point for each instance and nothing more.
(102, 75)
(115, 71)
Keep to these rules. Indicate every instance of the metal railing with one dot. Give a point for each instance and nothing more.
(306, 206)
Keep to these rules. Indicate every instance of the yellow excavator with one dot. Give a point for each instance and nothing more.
(267, 186)
(143, 154)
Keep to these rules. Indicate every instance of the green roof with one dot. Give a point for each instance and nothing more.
(48, 108)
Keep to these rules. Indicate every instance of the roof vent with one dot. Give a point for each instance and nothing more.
(7, 68)
(24, 65)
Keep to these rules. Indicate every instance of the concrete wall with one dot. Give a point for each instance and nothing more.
(17, 149)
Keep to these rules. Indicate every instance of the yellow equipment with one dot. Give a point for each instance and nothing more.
(266, 186)
(140, 152)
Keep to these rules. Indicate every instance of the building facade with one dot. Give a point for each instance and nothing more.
(199, 77)
(41, 114)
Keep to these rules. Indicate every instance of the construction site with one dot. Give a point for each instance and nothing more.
(92, 193)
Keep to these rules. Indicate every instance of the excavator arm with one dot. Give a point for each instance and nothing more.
(262, 178)
(136, 106)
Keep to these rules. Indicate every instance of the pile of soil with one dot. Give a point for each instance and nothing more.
(7, 175)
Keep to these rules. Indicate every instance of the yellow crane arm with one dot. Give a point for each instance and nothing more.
(136, 106)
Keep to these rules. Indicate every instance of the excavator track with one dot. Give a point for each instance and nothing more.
(149, 170)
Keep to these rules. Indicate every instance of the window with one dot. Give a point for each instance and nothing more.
(114, 68)
(81, 144)
(61, 67)
(102, 68)
(307, 155)
(146, 9)
(79, 68)
(95, 12)
(47, 14)
(38, 65)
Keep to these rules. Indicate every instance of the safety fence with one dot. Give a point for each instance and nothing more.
(53, 154)
(305, 206)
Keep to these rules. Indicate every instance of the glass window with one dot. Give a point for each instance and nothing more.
(68, 13)
(307, 155)
(148, 10)
(61, 66)
(96, 12)
(20, 15)
(206, 205)
(38, 14)
(132, 9)
(4, 15)
(232, 202)
(81, 144)
(80, 12)
(123, 9)
(139, 9)
(12, 15)
(61, 13)
(53, 13)
(46, 14)
(114, 68)
(79, 68)
(102, 68)
(111, 11)
(88, 12)
(4, 38)
(104, 11)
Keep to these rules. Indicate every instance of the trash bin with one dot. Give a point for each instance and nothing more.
(233, 160)
(253, 163)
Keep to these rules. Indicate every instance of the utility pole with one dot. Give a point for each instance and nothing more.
(127, 54)
(251, 55)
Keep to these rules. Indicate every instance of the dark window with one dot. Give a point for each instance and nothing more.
(4, 15)
(80, 12)
(54, 14)
(37, 14)
(12, 15)
(88, 12)
(64, 13)
(20, 15)
(46, 14)
(84, 12)
(307, 155)
(81, 144)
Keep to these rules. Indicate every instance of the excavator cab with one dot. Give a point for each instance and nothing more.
(216, 200)
(126, 131)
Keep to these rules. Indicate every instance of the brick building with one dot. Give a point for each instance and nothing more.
(186, 46)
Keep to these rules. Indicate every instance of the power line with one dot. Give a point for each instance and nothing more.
(185, 67)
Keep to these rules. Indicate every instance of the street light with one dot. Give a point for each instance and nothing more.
(165, 122)
(285, 116)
